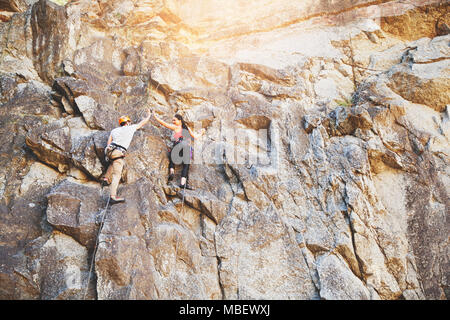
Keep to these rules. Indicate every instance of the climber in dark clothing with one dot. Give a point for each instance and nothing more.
(181, 151)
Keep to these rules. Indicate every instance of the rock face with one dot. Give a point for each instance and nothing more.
(323, 172)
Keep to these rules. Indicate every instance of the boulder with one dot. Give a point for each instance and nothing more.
(75, 209)
(426, 68)
(52, 39)
(338, 283)
(55, 266)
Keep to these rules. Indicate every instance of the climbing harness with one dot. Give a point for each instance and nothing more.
(103, 215)
(109, 150)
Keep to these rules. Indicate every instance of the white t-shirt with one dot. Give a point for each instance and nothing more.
(123, 135)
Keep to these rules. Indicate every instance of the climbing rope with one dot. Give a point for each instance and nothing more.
(182, 199)
(103, 214)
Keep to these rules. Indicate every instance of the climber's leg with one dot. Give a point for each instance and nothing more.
(184, 177)
(171, 168)
(117, 167)
(108, 175)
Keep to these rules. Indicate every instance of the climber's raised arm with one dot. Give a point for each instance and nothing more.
(144, 122)
(196, 135)
(165, 124)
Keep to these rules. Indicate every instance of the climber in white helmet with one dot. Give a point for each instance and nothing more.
(118, 142)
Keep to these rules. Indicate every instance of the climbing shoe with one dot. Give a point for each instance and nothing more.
(187, 187)
(114, 200)
(170, 178)
(104, 182)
